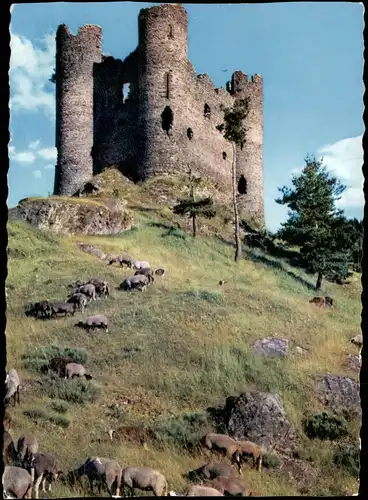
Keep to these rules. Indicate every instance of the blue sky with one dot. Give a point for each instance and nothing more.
(309, 54)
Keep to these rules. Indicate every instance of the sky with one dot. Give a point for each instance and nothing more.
(309, 54)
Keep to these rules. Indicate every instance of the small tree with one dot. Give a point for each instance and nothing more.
(314, 222)
(234, 132)
(193, 208)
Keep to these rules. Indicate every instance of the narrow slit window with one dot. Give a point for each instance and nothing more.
(224, 155)
(207, 111)
(189, 133)
(168, 85)
(171, 35)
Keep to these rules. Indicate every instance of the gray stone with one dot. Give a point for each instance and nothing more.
(339, 393)
(354, 362)
(260, 417)
(271, 346)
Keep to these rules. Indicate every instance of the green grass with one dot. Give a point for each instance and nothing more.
(194, 339)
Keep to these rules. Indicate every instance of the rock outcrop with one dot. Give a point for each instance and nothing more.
(271, 346)
(260, 417)
(341, 394)
(74, 215)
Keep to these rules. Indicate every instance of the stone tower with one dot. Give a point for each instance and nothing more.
(249, 160)
(75, 57)
(163, 44)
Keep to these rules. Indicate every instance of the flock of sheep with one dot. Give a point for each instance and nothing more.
(26, 468)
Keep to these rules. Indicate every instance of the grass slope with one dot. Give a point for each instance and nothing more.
(195, 339)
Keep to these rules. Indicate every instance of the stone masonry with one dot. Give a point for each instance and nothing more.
(168, 121)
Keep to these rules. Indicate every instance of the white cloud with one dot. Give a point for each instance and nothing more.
(30, 69)
(344, 160)
(48, 153)
(37, 174)
(11, 149)
(34, 144)
(49, 167)
(23, 156)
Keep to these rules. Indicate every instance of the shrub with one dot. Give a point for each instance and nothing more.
(59, 406)
(271, 461)
(60, 420)
(184, 431)
(211, 297)
(40, 414)
(348, 458)
(73, 391)
(325, 426)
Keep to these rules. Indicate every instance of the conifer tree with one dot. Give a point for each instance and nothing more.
(193, 207)
(314, 222)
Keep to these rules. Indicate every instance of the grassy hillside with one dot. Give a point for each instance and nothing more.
(194, 339)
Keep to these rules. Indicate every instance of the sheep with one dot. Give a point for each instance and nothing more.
(43, 465)
(211, 470)
(357, 340)
(17, 482)
(79, 300)
(199, 490)
(39, 309)
(88, 290)
(144, 479)
(12, 386)
(9, 451)
(7, 419)
(57, 365)
(138, 282)
(322, 301)
(140, 264)
(104, 471)
(62, 308)
(247, 448)
(147, 271)
(160, 272)
(97, 321)
(76, 370)
(228, 486)
(221, 443)
(123, 260)
(27, 445)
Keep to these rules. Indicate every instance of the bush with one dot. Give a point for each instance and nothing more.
(40, 414)
(211, 297)
(73, 391)
(184, 431)
(348, 458)
(325, 426)
(39, 356)
(59, 406)
(271, 461)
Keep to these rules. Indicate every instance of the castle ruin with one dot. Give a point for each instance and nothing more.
(167, 122)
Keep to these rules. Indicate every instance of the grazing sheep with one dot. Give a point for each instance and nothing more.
(12, 386)
(220, 443)
(160, 272)
(147, 271)
(322, 301)
(7, 419)
(64, 308)
(97, 321)
(137, 282)
(17, 482)
(76, 370)
(246, 449)
(27, 445)
(58, 364)
(140, 264)
(211, 470)
(357, 340)
(144, 479)
(229, 486)
(102, 289)
(79, 300)
(9, 451)
(88, 290)
(42, 465)
(39, 309)
(198, 490)
(104, 471)
(123, 260)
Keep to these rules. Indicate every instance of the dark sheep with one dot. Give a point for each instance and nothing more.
(42, 465)
(64, 308)
(147, 271)
(58, 364)
(79, 300)
(101, 471)
(211, 470)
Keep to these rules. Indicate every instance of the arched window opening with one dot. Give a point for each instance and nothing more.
(224, 155)
(125, 91)
(207, 111)
(189, 133)
(167, 119)
(168, 84)
(242, 185)
(171, 35)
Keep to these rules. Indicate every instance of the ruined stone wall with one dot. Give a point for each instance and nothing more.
(249, 160)
(75, 58)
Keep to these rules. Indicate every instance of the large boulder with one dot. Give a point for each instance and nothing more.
(339, 393)
(260, 417)
(74, 215)
(272, 347)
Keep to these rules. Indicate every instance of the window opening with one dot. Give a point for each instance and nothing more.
(167, 118)
(242, 185)
(207, 111)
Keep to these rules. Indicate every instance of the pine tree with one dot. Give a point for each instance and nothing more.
(234, 132)
(194, 208)
(314, 222)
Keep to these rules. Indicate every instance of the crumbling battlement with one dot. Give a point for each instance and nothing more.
(168, 121)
